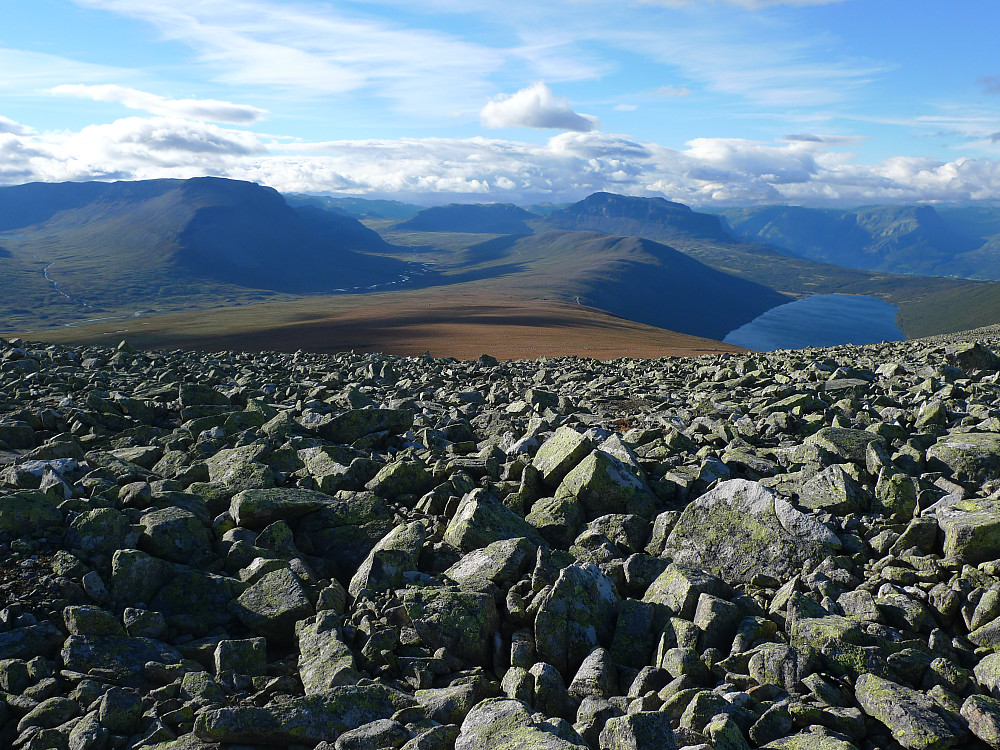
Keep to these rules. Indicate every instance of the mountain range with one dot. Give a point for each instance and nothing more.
(961, 242)
(75, 252)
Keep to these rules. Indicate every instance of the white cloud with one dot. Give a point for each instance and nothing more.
(299, 49)
(195, 109)
(706, 172)
(14, 128)
(534, 107)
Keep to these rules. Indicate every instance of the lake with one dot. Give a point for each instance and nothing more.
(820, 320)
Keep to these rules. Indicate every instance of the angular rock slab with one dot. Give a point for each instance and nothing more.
(273, 605)
(463, 622)
(604, 484)
(306, 720)
(970, 457)
(481, 519)
(505, 724)
(256, 508)
(971, 528)
(741, 529)
(578, 615)
(915, 721)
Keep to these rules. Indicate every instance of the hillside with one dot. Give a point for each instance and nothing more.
(631, 277)
(488, 218)
(927, 305)
(78, 251)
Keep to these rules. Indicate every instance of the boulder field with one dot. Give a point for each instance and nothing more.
(797, 550)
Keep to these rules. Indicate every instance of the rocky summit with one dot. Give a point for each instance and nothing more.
(797, 550)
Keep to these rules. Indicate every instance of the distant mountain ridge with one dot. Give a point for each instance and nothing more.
(75, 252)
(897, 239)
(486, 218)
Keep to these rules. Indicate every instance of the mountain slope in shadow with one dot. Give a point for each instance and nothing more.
(631, 277)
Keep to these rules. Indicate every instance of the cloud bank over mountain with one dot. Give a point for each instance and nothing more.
(706, 171)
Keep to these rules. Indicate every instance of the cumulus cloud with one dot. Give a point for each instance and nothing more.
(535, 107)
(197, 109)
(14, 128)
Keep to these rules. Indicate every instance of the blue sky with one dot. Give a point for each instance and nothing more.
(709, 102)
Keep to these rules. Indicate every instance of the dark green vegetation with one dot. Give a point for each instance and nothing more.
(961, 242)
(73, 253)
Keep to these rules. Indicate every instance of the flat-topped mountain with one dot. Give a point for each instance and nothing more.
(655, 218)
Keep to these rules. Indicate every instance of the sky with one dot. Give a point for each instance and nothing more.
(706, 102)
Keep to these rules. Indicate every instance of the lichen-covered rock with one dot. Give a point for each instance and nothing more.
(557, 519)
(463, 622)
(305, 720)
(256, 508)
(30, 641)
(970, 457)
(834, 445)
(835, 490)
(679, 587)
(481, 519)
(502, 561)
(356, 423)
(396, 553)
(916, 721)
(325, 661)
(742, 529)
(603, 483)
(504, 724)
(245, 656)
(175, 534)
(401, 478)
(578, 615)
(119, 656)
(273, 605)
(26, 514)
(101, 531)
(643, 730)
(560, 453)
(971, 527)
